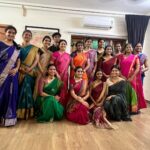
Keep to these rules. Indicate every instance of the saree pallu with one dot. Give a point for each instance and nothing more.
(8, 85)
(48, 108)
(44, 62)
(92, 56)
(142, 58)
(116, 108)
(62, 62)
(128, 66)
(79, 59)
(27, 81)
(98, 113)
(131, 98)
(106, 66)
(76, 111)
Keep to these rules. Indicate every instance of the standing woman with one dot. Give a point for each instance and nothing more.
(97, 95)
(143, 60)
(130, 70)
(106, 62)
(62, 60)
(79, 59)
(29, 58)
(9, 65)
(43, 62)
(77, 107)
(47, 104)
(92, 55)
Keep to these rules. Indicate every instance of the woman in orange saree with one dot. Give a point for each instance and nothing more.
(79, 59)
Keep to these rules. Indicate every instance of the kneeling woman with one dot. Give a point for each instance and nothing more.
(115, 104)
(77, 107)
(47, 104)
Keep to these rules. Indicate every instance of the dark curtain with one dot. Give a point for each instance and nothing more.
(136, 28)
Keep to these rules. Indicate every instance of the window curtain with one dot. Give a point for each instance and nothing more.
(136, 28)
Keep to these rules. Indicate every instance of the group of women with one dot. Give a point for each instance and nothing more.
(36, 82)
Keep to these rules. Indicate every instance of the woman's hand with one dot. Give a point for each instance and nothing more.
(57, 97)
(28, 69)
(85, 104)
(12, 72)
(130, 79)
(109, 97)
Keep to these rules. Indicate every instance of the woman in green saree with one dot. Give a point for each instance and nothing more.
(47, 106)
(29, 58)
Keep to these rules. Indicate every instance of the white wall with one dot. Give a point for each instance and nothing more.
(67, 22)
(146, 50)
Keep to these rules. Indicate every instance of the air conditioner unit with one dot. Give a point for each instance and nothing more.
(98, 22)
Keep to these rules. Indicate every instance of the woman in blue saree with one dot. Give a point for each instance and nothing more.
(9, 65)
(29, 57)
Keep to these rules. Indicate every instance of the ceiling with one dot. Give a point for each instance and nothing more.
(122, 6)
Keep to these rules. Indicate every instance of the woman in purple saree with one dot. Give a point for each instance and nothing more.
(9, 65)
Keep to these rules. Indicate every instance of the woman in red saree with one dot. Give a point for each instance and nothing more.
(62, 60)
(106, 62)
(79, 59)
(97, 95)
(77, 108)
(130, 69)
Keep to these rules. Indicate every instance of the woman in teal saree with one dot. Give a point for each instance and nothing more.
(47, 105)
(27, 74)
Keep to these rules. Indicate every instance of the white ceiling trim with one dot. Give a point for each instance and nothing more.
(70, 10)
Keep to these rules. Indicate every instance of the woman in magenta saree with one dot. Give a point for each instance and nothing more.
(107, 62)
(130, 69)
(77, 108)
(9, 65)
(62, 60)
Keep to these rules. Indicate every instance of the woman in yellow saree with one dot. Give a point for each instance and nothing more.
(43, 62)
(29, 58)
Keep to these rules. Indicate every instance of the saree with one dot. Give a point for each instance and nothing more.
(79, 59)
(127, 66)
(142, 58)
(8, 84)
(44, 62)
(98, 112)
(62, 62)
(116, 108)
(106, 66)
(131, 98)
(26, 81)
(76, 111)
(92, 56)
(48, 108)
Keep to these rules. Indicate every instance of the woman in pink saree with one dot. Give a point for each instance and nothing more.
(62, 60)
(130, 69)
(77, 108)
